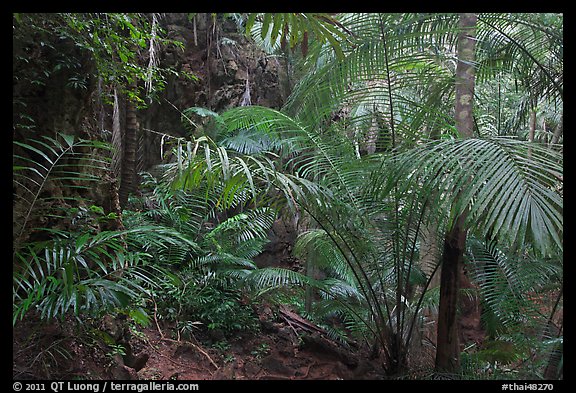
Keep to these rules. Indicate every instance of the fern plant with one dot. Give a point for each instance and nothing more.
(225, 231)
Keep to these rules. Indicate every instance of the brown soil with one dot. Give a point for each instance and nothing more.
(249, 357)
(281, 350)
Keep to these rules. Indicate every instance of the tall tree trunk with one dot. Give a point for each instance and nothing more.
(465, 75)
(310, 273)
(448, 348)
(118, 152)
(128, 180)
(532, 130)
(429, 258)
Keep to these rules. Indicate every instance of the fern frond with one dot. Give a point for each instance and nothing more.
(327, 256)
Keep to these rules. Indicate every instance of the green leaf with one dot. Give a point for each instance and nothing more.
(278, 19)
(69, 139)
(250, 21)
(123, 56)
(140, 316)
(266, 25)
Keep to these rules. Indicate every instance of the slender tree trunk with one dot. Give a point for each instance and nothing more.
(429, 258)
(128, 181)
(118, 152)
(448, 347)
(554, 368)
(310, 273)
(532, 130)
(465, 75)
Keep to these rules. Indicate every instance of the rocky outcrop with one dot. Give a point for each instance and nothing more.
(219, 68)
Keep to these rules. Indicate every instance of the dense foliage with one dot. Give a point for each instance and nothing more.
(365, 153)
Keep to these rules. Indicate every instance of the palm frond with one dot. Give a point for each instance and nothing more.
(508, 185)
(521, 43)
(243, 234)
(509, 283)
(252, 141)
(524, 53)
(281, 29)
(44, 162)
(369, 71)
(86, 274)
(274, 277)
(326, 255)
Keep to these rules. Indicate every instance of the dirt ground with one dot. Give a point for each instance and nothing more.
(248, 358)
(282, 350)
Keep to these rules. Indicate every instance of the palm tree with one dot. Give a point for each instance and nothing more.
(392, 58)
(448, 348)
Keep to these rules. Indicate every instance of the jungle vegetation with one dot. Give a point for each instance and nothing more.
(421, 154)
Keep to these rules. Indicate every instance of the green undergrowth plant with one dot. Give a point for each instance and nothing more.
(41, 166)
(519, 290)
(86, 274)
(73, 267)
(367, 228)
(205, 288)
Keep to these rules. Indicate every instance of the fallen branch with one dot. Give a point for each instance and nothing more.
(276, 376)
(196, 347)
(294, 319)
(156, 319)
(308, 370)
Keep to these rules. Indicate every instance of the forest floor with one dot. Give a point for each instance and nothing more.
(287, 347)
(271, 356)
